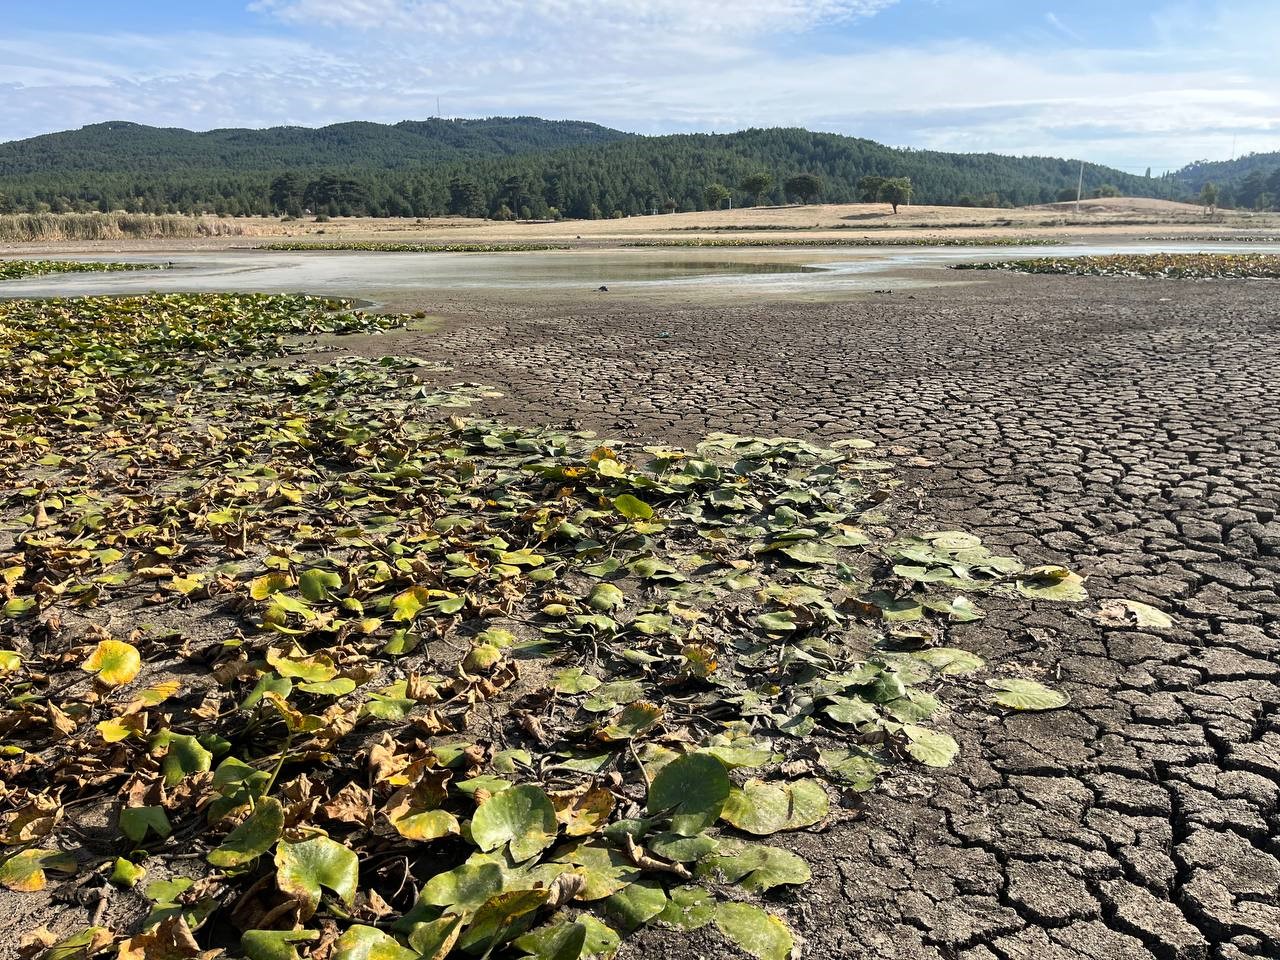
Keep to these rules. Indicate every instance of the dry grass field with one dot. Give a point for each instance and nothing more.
(1102, 218)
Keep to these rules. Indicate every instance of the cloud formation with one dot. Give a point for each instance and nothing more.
(1181, 86)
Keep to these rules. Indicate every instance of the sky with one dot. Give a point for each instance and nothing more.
(1130, 83)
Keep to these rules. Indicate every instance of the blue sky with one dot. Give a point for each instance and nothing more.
(1126, 82)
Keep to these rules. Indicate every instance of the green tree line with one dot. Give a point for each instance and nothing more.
(576, 171)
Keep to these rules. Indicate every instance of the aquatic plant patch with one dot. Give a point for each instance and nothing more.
(350, 673)
(18, 269)
(1163, 266)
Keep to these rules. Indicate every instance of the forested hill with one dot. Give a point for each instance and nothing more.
(503, 166)
(121, 147)
(1249, 182)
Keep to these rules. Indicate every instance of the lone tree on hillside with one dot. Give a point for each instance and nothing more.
(895, 190)
(756, 184)
(715, 195)
(1209, 198)
(805, 187)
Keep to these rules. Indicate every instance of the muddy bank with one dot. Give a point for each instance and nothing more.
(1129, 426)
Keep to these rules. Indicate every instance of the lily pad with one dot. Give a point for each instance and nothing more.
(369, 943)
(758, 933)
(764, 808)
(1018, 694)
(636, 904)
(275, 944)
(115, 662)
(755, 866)
(1052, 583)
(930, 747)
(24, 872)
(259, 832)
(693, 789)
(521, 818)
(303, 868)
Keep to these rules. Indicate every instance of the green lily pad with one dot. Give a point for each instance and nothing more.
(303, 868)
(575, 680)
(764, 808)
(24, 872)
(522, 818)
(951, 661)
(688, 908)
(136, 821)
(275, 944)
(605, 596)
(186, 755)
(758, 933)
(1018, 694)
(318, 585)
(755, 866)
(632, 508)
(369, 943)
(1052, 583)
(931, 748)
(584, 938)
(636, 904)
(463, 888)
(259, 832)
(693, 789)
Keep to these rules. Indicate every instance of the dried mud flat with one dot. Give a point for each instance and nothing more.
(1124, 427)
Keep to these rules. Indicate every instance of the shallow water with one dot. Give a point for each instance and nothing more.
(810, 270)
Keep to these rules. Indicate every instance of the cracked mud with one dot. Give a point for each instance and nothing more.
(1127, 428)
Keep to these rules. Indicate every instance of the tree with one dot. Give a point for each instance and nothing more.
(465, 198)
(1209, 198)
(756, 185)
(715, 195)
(1066, 195)
(285, 194)
(896, 190)
(515, 194)
(335, 194)
(805, 187)
(1107, 190)
(869, 188)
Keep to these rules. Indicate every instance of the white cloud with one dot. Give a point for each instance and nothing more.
(480, 18)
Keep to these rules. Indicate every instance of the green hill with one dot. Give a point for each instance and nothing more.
(120, 147)
(1249, 182)
(519, 166)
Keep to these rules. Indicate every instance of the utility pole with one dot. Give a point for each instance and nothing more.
(1080, 187)
(438, 107)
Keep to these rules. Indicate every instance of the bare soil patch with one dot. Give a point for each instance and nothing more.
(1124, 424)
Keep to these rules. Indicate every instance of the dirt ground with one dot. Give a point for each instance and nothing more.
(1117, 218)
(1126, 428)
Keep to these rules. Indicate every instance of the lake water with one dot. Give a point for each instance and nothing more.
(808, 270)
